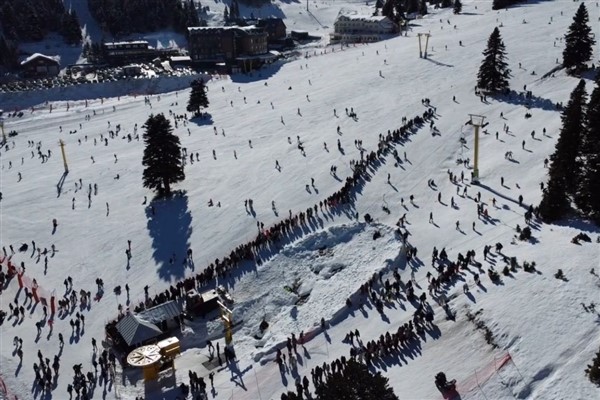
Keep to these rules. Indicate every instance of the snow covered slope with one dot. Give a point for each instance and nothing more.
(535, 319)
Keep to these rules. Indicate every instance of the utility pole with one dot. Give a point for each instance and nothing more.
(421, 53)
(227, 319)
(62, 150)
(478, 122)
(4, 140)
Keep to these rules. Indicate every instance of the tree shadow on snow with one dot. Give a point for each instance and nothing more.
(202, 119)
(263, 73)
(580, 224)
(519, 99)
(170, 227)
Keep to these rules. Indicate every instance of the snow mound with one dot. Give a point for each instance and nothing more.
(311, 279)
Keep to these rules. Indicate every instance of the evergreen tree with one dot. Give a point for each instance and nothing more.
(234, 10)
(498, 4)
(399, 11)
(8, 53)
(71, 30)
(563, 171)
(554, 204)
(578, 42)
(198, 97)
(192, 18)
(388, 9)
(355, 382)
(162, 155)
(410, 6)
(446, 3)
(457, 7)
(423, 7)
(587, 196)
(226, 14)
(593, 371)
(494, 73)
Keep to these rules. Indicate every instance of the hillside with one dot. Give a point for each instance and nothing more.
(544, 337)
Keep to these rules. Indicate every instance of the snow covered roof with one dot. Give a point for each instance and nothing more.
(126, 43)
(366, 18)
(161, 312)
(180, 58)
(249, 28)
(135, 330)
(40, 55)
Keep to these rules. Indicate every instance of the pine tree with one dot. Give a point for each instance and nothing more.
(498, 4)
(587, 196)
(399, 11)
(192, 18)
(162, 155)
(410, 6)
(563, 171)
(554, 204)
(457, 7)
(446, 3)
(70, 29)
(234, 10)
(226, 14)
(494, 73)
(8, 53)
(593, 371)
(578, 42)
(388, 9)
(423, 7)
(356, 382)
(198, 98)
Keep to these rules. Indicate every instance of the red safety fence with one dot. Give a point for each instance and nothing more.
(24, 281)
(5, 392)
(480, 376)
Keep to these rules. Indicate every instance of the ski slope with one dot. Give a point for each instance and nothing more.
(537, 321)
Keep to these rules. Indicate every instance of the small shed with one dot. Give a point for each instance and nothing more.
(136, 331)
(165, 315)
(40, 65)
(202, 303)
(180, 61)
(169, 347)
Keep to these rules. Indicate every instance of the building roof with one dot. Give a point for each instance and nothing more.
(273, 22)
(161, 312)
(55, 59)
(135, 330)
(180, 58)
(366, 18)
(126, 43)
(245, 29)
